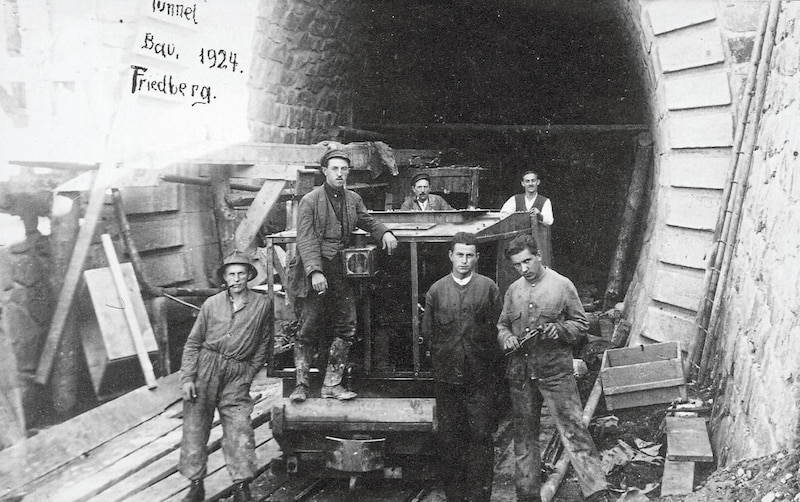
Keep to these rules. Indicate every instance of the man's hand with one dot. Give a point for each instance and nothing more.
(511, 343)
(189, 392)
(389, 242)
(319, 282)
(549, 332)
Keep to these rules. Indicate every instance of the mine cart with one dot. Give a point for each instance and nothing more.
(388, 430)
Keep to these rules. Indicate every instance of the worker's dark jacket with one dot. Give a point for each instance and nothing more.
(553, 299)
(460, 325)
(321, 235)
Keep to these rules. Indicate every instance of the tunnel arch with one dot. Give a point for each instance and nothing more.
(304, 85)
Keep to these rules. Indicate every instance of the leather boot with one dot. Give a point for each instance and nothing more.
(197, 492)
(337, 361)
(299, 394)
(302, 365)
(241, 492)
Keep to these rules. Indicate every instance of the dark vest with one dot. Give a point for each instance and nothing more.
(519, 199)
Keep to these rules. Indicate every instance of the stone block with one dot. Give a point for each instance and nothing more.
(27, 270)
(741, 16)
(281, 115)
(740, 48)
(26, 336)
(694, 209)
(700, 129)
(289, 136)
(697, 168)
(690, 48)
(664, 325)
(677, 287)
(685, 247)
(670, 15)
(683, 91)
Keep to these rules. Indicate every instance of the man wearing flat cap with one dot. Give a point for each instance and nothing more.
(422, 199)
(326, 219)
(224, 351)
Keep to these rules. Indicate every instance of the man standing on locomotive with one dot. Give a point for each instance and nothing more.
(326, 218)
(459, 323)
(542, 319)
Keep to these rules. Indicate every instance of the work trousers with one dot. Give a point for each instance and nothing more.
(466, 419)
(560, 393)
(224, 384)
(336, 309)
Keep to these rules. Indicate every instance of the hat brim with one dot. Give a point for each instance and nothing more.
(252, 272)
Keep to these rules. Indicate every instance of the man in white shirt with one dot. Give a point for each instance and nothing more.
(531, 200)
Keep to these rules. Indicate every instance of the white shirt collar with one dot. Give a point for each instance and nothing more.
(462, 282)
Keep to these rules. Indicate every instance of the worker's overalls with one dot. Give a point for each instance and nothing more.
(222, 383)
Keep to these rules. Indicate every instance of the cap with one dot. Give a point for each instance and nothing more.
(420, 176)
(334, 153)
(237, 258)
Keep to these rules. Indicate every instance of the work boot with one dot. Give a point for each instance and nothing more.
(241, 492)
(299, 394)
(197, 492)
(337, 392)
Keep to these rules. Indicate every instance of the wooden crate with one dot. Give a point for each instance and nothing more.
(643, 375)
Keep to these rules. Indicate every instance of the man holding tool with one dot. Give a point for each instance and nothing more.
(542, 319)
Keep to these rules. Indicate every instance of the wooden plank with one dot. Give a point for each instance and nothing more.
(653, 374)
(90, 474)
(136, 330)
(247, 231)
(377, 410)
(168, 269)
(108, 309)
(645, 397)
(642, 354)
(687, 440)
(678, 478)
(158, 234)
(174, 482)
(218, 481)
(56, 446)
(73, 276)
(139, 200)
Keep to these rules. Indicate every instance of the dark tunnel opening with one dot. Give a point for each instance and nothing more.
(471, 76)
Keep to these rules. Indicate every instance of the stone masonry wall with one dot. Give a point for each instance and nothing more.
(302, 69)
(756, 411)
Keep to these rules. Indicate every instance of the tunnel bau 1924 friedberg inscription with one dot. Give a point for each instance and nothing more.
(145, 80)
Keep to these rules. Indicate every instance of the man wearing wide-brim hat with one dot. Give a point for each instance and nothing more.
(326, 218)
(422, 199)
(224, 351)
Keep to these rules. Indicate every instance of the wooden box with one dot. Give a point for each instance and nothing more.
(111, 357)
(643, 375)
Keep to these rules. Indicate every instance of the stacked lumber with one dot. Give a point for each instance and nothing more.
(687, 443)
(126, 449)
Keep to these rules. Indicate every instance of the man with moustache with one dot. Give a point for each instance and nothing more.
(224, 351)
(459, 323)
(422, 199)
(326, 219)
(539, 370)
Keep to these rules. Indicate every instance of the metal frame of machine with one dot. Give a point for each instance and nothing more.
(390, 427)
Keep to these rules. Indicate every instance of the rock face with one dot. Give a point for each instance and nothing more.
(26, 306)
(756, 411)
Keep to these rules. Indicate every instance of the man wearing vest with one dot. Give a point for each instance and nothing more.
(326, 219)
(531, 201)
